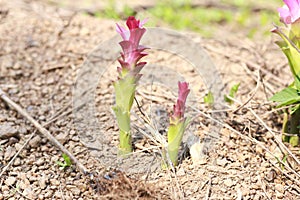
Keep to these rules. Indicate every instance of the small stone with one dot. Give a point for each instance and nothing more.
(18, 146)
(75, 138)
(10, 180)
(271, 175)
(229, 183)
(76, 191)
(222, 162)
(256, 186)
(72, 132)
(54, 182)
(279, 195)
(40, 162)
(180, 172)
(44, 148)
(7, 130)
(12, 140)
(49, 194)
(215, 181)
(9, 153)
(279, 188)
(259, 149)
(197, 157)
(43, 182)
(245, 191)
(24, 183)
(5, 188)
(62, 137)
(17, 162)
(35, 142)
(84, 31)
(29, 193)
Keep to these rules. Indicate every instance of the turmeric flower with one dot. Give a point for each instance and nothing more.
(132, 51)
(178, 123)
(179, 107)
(128, 78)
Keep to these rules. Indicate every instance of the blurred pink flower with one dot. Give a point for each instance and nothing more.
(290, 12)
(179, 108)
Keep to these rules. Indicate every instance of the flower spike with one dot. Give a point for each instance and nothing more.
(129, 75)
(178, 122)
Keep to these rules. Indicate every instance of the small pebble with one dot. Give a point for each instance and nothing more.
(35, 142)
(10, 180)
(9, 153)
(17, 162)
(180, 172)
(229, 183)
(279, 188)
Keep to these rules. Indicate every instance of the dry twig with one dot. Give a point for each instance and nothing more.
(44, 132)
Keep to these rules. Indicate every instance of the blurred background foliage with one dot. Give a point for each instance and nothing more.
(206, 17)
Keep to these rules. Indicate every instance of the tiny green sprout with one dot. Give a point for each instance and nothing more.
(284, 159)
(67, 161)
(232, 93)
(209, 99)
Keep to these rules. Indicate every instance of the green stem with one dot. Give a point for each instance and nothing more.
(123, 119)
(285, 127)
(125, 91)
(125, 143)
(175, 134)
(294, 128)
(173, 153)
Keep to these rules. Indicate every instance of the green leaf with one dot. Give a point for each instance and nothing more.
(294, 109)
(296, 83)
(123, 118)
(175, 134)
(285, 97)
(232, 93)
(61, 164)
(125, 91)
(67, 160)
(209, 98)
(289, 50)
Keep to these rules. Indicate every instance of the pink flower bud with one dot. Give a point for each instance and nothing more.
(179, 107)
(132, 51)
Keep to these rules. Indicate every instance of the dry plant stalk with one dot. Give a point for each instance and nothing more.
(44, 132)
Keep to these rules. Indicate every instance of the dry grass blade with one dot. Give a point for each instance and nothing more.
(252, 95)
(15, 156)
(161, 143)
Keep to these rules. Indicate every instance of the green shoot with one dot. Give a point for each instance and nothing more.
(67, 161)
(209, 99)
(232, 93)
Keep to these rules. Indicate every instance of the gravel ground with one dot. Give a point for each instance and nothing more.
(43, 47)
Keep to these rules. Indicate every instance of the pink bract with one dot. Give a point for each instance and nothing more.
(290, 12)
(179, 108)
(132, 50)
